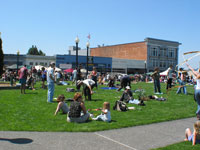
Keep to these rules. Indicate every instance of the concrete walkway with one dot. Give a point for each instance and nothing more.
(134, 138)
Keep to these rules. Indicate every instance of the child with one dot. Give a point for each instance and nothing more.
(195, 137)
(61, 105)
(105, 115)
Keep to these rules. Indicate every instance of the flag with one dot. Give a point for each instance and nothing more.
(88, 36)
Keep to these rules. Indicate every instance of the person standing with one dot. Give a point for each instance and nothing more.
(169, 77)
(156, 79)
(197, 90)
(44, 77)
(50, 82)
(181, 80)
(22, 78)
(94, 76)
(74, 73)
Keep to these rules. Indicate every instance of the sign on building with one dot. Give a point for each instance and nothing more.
(65, 66)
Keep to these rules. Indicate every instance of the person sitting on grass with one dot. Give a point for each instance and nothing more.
(111, 82)
(61, 105)
(77, 111)
(195, 136)
(127, 95)
(105, 115)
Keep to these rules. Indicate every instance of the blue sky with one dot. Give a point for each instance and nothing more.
(52, 25)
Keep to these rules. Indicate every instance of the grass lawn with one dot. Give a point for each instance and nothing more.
(180, 146)
(31, 112)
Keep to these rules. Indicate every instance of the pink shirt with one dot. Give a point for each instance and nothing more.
(23, 73)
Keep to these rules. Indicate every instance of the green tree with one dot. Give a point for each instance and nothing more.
(41, 53)
(1, 57)
(34, 51)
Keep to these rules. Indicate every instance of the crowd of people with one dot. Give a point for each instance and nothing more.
(77, 111)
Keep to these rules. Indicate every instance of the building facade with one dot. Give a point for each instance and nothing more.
(103, 64)
(141, 56)
(29, 60)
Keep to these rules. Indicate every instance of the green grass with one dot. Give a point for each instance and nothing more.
(180, 146)
(31, 112)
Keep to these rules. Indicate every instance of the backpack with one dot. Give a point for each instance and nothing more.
(120, 106)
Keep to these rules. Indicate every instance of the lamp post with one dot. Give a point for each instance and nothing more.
(145, 66)
(77, 41)
(17, 60)
(87, 45)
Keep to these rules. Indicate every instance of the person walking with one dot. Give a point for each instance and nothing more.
(50, 82)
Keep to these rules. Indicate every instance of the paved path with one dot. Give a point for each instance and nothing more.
(134, 138)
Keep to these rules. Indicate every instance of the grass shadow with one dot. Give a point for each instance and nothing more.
(94, 100)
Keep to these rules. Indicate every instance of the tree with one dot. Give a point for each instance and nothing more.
(41, 53)
(1, 57)
(34, 51)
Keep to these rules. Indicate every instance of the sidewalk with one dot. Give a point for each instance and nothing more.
(136, 138)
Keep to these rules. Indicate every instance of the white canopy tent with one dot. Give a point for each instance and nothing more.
(164, 73)
(39, 67)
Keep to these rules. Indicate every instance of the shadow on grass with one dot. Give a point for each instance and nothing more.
(95, 100)
(18, 140)
(32, 93)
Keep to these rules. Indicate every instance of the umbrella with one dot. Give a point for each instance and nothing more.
(68, 70)
(57, 69)
(83, 70)
(39, 67)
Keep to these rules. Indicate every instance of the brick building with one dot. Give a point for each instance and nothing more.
(140, 57)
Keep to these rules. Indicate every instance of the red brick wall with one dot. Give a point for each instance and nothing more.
(136, 51)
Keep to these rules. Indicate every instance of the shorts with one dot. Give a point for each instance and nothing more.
(190, 138)
(22, 81)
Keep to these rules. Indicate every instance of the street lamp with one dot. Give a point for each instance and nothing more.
(87, 45)
(145, 66)
(17, 60)
(77, 41)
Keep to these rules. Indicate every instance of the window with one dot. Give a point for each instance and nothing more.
(154, 51)
(31, 63)
(163, 52)
(154, 63)
(162, 64)
(36, 63)
(171, 53)
(41, 63)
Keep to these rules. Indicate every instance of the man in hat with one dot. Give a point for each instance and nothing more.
(87, 84)
(50, 82)
(127, 95)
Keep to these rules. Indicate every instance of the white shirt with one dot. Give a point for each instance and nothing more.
(198, 84)
(170, 71)
(50, 71)
(88, 82)
(107, 115)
